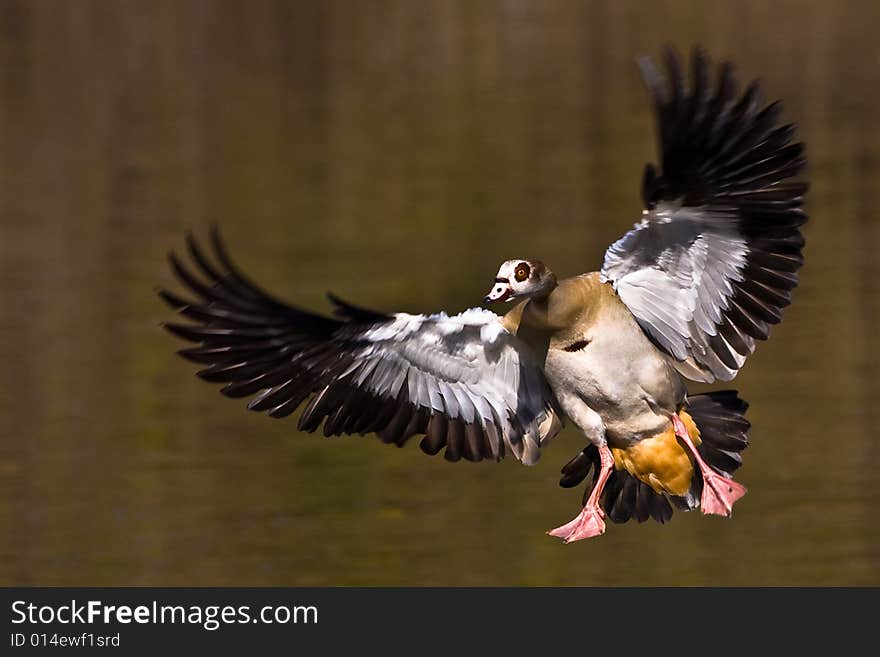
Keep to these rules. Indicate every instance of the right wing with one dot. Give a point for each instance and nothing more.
(716, 255)
(464, 381)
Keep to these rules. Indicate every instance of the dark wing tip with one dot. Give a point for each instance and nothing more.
(172, 300)
(355, 313)
(189, 333)
(672, 59)
(254, 343)
(712, 143)
(654, 81)
(699, 56)
(221, 252)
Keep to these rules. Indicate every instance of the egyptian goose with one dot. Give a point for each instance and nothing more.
(684, 295)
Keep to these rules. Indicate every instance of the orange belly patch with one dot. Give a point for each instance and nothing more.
(661, 461)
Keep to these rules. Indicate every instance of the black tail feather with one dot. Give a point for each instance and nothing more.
(720, 417)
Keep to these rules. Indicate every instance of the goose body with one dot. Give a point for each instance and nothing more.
(607, 376)
(686, 294)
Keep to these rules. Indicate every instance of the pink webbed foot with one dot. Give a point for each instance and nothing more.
(591, 520)
(719, 492)
(564, 530)
(588, 523)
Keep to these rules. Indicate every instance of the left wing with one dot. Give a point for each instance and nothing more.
(464, 381)
(717, 252)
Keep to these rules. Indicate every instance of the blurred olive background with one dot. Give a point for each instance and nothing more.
(394, 153)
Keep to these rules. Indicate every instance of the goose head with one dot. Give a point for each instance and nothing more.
(517, 279)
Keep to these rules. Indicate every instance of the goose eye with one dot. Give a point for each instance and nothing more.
(522, 272)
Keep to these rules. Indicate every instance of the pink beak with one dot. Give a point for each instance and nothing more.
(500, 292)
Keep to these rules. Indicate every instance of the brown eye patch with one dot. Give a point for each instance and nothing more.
(521, 272)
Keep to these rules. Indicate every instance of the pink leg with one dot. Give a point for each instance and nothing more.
(719, 492)
(591, 520)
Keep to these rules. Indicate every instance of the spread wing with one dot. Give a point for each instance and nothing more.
(464, 382)
(716, 255)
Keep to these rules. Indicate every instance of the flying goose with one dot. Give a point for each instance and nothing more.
(685, 294)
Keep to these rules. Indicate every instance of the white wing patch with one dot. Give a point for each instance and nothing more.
(675, 271)
(663, 307)
(465, 367)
